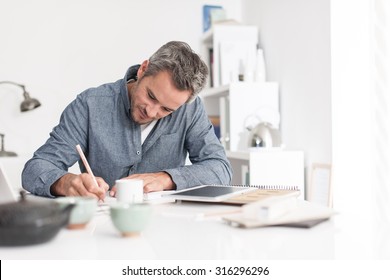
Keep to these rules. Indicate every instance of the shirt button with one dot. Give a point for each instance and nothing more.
(138, 152)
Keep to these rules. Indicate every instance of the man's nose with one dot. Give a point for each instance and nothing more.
(152, 111)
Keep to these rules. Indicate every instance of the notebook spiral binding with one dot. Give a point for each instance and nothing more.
(264, 187)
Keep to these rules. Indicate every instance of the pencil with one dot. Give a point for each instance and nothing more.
(86, 164)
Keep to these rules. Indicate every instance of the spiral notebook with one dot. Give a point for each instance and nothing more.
(263, 192)
(233, 194)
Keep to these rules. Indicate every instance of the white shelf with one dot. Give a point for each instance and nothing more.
(216, 91)
(222, 91)
(245, 155)
(207, 37)
(238, 155)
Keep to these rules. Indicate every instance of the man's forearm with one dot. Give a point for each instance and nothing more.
(212, 172)
(38, 176)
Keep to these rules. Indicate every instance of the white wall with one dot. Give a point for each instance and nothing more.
(59, 48)
(352, 112)
(295, 36)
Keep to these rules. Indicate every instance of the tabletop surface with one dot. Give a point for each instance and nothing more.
(196, 231)
(183, 231)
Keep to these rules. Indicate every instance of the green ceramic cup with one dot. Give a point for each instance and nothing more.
(130, 218)
(82, 213)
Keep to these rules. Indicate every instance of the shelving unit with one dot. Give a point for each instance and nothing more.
(233, 102)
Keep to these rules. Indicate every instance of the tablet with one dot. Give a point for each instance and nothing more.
(209, 193)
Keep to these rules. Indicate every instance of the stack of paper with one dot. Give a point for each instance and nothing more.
(269, 209)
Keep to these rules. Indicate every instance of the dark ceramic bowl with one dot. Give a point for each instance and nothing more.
(31, 222)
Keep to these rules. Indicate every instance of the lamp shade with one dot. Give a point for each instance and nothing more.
(29, 103)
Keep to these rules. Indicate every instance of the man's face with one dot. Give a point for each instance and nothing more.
(155, 97)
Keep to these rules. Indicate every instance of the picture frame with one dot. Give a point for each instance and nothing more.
(320, 188)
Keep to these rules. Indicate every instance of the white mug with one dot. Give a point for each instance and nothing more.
(130, 190)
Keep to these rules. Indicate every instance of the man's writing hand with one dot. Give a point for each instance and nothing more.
(79, 185)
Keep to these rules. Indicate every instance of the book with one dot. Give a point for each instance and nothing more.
(305, 214)
(216, 122)
(207, 18)
(211, 66)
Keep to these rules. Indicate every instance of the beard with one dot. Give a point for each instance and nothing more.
(138, 114)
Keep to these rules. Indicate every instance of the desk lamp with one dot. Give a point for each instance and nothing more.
(27, 104)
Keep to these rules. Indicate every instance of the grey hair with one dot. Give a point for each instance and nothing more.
(188, 70)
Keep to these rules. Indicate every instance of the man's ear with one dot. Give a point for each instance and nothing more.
(142, 69)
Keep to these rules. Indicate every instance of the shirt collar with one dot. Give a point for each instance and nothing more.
(131, 73)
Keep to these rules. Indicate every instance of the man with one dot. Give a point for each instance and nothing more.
(141, 127)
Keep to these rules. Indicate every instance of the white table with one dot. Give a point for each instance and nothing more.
(178, 231)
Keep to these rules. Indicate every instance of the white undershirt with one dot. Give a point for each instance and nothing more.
(146, 129)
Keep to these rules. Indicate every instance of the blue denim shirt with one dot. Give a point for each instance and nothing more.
(99, 120)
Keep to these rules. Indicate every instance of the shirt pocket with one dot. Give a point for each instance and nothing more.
(169, 151)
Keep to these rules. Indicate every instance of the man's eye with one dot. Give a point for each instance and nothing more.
(168, 110)
(151, 96)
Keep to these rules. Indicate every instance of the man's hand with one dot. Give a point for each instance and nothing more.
(153, 182)
(79, 185)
